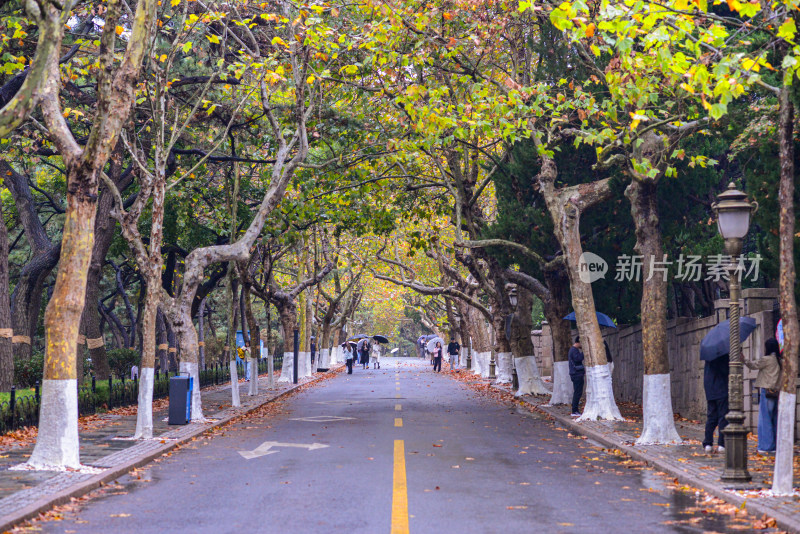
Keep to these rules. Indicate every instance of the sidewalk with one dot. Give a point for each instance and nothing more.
(687, 462)
(24, 494)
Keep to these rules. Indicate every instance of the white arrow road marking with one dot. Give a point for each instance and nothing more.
(264, 448)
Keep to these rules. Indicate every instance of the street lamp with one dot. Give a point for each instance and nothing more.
(733, 221)
(512, 299)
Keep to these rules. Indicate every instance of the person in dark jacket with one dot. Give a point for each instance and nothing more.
(453, 348)
(715, 382)
(577, 373)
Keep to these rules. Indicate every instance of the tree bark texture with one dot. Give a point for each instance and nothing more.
(659, 422)
(783, 476)
(6, 331)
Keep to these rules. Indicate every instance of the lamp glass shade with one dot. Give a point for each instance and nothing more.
(733, 224)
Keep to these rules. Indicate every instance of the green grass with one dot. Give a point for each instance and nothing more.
(5, 396)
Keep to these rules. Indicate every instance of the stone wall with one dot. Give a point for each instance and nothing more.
(683, 339)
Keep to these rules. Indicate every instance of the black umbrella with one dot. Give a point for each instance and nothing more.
(718, 341)
(380, 339)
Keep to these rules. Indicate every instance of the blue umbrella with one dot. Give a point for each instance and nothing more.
(358, 336)
(602, 319)
(718, 341)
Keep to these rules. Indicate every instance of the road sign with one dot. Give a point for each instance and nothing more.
(266, 448)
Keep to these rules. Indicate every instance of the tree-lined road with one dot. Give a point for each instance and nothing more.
(334, 458)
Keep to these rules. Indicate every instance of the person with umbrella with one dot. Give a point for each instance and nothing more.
(577, 373)
(375, 357)
(363, 349)
(437, 357)
(714, 351)
(768, 380)
(715, 383)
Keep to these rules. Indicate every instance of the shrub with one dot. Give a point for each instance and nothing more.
(120, 361)
(27, 371)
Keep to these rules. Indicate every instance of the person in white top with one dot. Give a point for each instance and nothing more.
(375, 357)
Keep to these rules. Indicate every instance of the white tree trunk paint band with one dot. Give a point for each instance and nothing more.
(562, 384)
(21, 339)
(253, 376)
(782, 483)
(600, 403)
(191, 369)
(235, 400)
(144, 413)
(503, 367)
(530, 381)
(659, 424)
(57, 444)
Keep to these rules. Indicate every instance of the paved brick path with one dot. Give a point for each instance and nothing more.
(25, 493)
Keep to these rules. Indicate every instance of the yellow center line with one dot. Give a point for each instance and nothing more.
(397, 388)
(397, 396)
(398, 421)
(399, 490)
(397, 407)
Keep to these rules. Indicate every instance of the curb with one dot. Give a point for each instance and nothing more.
(111, 473)
(787, 522)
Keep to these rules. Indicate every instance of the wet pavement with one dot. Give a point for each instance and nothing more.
(330, 459)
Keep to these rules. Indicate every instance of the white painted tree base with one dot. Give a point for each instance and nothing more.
(57, 445)
(325, 359)
(503, 361)
(253, 390)
(303, 366)
(144, 409)
(600, 403)
(236, 401)
(476, 363)
(562, 384)
(659, 423)
(782, 481)
(191, 369)
(530, 381)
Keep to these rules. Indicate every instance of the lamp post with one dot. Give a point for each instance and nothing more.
(512, 299)
(733, 220)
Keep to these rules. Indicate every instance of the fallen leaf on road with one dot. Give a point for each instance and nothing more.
(120, 515)
(516, 507)
(436, 445)
(456, 466)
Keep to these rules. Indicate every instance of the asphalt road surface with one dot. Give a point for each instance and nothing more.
(398, 449)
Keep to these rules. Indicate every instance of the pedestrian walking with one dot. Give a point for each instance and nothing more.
(437, 357)
(365, 347)
(347, 352)
(375, 357)
(715, 382)
(577, 373)
(768, 380)
(453, 349)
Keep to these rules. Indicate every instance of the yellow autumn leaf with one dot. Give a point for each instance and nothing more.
(119, 30)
